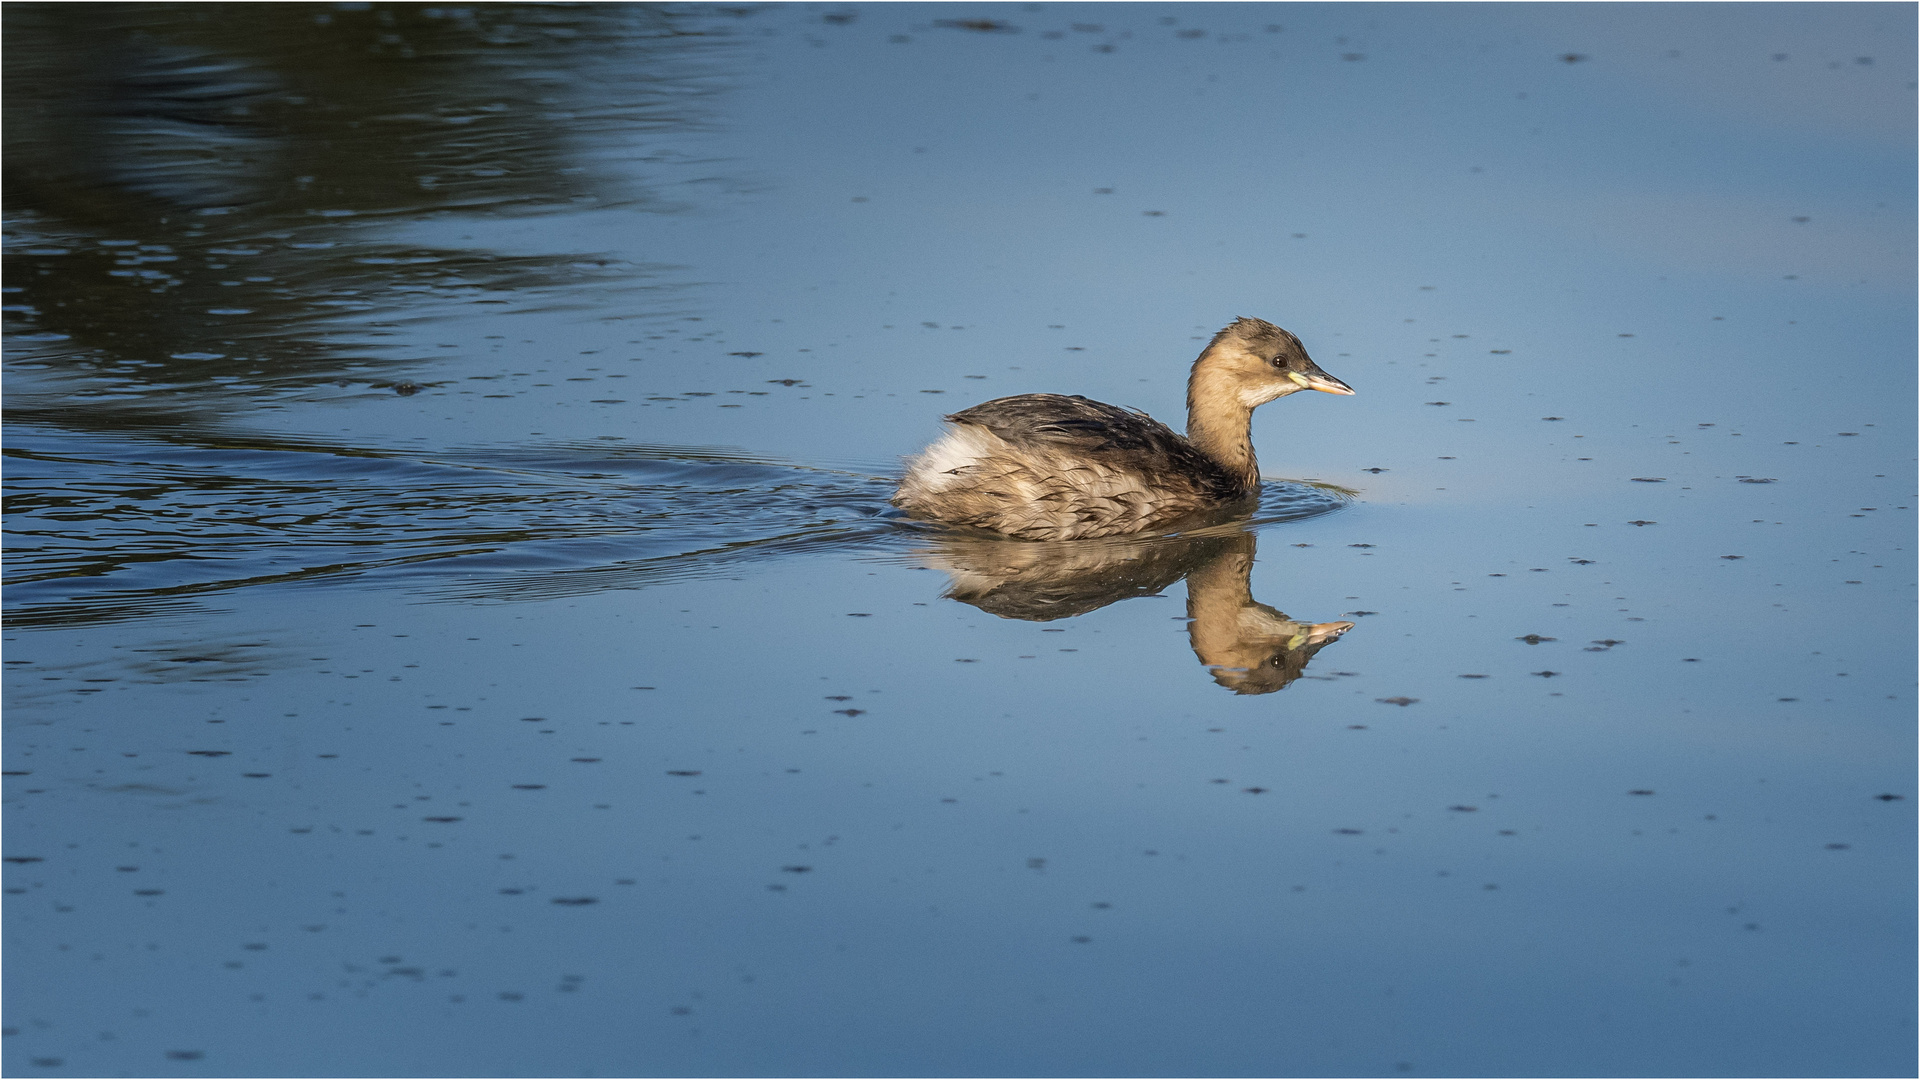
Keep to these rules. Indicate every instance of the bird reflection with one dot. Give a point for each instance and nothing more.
(1245, 645)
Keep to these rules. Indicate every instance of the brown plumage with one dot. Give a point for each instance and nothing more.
(1050, 467)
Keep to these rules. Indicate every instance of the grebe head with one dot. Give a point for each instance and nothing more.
(1256, 362)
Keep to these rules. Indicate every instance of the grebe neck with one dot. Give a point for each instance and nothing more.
(1220, 424)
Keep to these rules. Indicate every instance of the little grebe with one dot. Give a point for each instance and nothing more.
(1052, 467)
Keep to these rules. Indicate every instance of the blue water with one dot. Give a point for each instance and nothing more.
(455, 625)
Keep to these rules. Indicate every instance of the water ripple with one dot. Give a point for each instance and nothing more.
(104, 529)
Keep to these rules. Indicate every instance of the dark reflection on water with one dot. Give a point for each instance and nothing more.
(1248, 647)
(204, 193)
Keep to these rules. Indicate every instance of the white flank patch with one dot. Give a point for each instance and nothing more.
(960, 449)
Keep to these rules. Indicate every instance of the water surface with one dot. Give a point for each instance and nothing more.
(456, 626)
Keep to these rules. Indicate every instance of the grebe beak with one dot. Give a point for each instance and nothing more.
(1319, 380)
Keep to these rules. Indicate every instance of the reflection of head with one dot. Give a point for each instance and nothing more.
(1263, 650)
(1248, 647)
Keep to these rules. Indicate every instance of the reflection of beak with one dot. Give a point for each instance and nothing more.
(1319, 632)
(1319, 380)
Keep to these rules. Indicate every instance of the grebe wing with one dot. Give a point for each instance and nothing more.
(1075, 424)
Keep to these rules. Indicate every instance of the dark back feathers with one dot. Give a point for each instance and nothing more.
(1078, 427)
